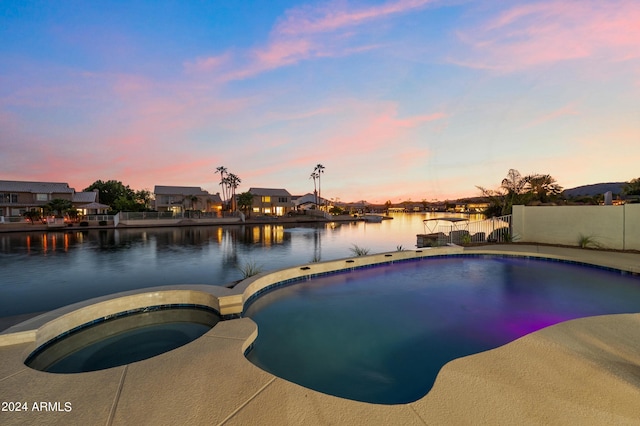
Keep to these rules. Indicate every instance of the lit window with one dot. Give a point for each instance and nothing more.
(266, 199)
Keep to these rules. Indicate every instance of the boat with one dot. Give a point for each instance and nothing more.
(432, 237)
(375, 218)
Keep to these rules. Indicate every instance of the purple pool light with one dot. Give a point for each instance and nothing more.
(382, 334)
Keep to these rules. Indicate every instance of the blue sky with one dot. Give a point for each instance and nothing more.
(404, 99)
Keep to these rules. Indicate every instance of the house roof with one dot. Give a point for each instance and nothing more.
(35, 187)
(179, 190)
(186, 191)
(215, 198)
(308, 199)
(84, 197)
(96, 206)
(273, 192)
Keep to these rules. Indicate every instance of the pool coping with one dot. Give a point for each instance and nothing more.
(259, 395)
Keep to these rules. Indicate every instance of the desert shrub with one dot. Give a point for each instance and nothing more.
(359, 251)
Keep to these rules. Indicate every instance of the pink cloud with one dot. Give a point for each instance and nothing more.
(553, 31)
(334, 16)
(282, 52)
(285, 51)
(371, 140)
(207, 64)
(305, 33)
(562, 112)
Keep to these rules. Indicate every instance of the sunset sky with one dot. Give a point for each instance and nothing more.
(398, 99)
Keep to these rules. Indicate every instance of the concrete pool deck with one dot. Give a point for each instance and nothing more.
(585, 371)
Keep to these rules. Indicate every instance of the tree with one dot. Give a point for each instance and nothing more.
(542, 188)
(632, 187)
(33, 216)
(58, 206)
(319, 170)
(514, 185)
(501, 201)
(194, 201)
(110, 191)
(125, 203)
(496, 200)
(143, 197)
(120, 197)
(222, 170)
(315, 176)
(336, 211)
(245, 202)
(232, 182)
(516, 189)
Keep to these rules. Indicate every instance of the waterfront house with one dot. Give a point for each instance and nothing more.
(271, 201)
(308, 201)
(181, 198)
(18, 197)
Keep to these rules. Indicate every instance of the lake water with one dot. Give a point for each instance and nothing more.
(41, 271)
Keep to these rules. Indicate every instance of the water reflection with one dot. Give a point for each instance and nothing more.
(40, 271)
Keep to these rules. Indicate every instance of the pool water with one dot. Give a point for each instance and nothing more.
(123, 340)
(382, 334)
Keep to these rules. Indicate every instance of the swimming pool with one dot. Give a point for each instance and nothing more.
(382, 334)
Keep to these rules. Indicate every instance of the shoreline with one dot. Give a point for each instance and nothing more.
(22, 227)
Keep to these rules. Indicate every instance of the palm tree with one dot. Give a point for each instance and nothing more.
(541, 187)
(511, 191)
(222, 170)
(315, 176)
(59, 206)
(232, 182)
(319, 169)
(516, 189)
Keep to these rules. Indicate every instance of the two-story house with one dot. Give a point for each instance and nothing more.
(18, 197)
(181, 198)
(271, 201)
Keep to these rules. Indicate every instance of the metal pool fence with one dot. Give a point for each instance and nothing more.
(492, 230)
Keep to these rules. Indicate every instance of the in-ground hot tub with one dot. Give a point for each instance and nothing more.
(123, 338)
(115, 331)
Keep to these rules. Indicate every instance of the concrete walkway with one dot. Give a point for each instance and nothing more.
(585, 371)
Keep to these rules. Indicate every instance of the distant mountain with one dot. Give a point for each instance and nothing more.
(595, 189)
